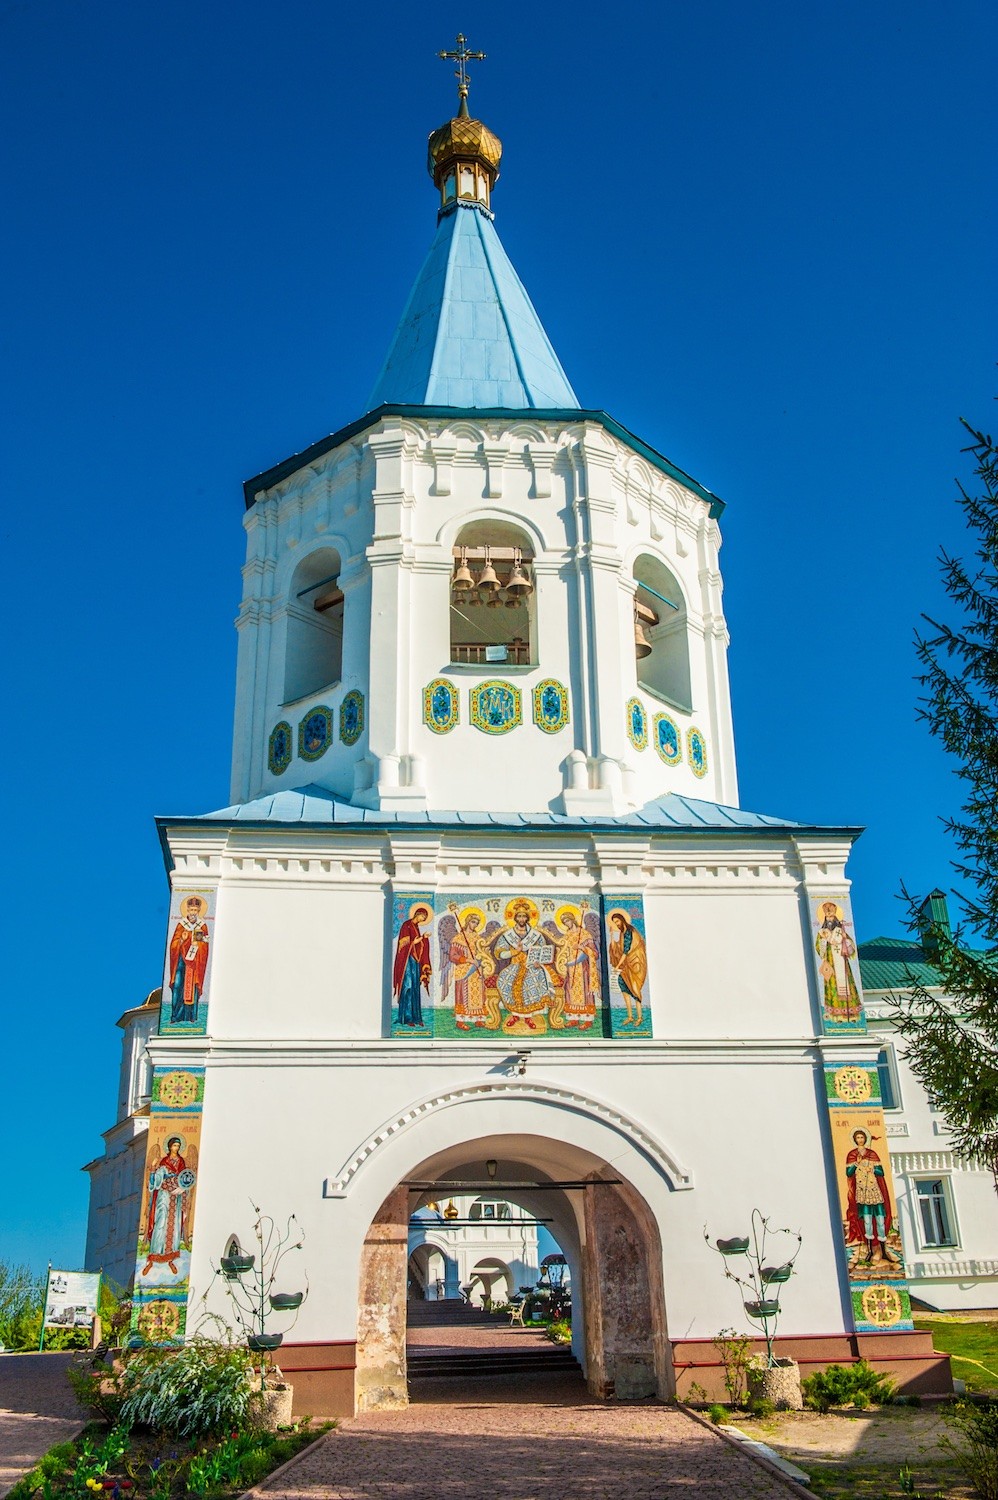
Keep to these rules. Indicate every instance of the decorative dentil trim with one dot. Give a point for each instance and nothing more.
(678, 1177)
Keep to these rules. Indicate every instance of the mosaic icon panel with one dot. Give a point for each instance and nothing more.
(522, 964)
(280, 748)
(496, 707)
(550, 701)
(668, 742)
(874, 1253)
(696, 750)
(837, 965)
(441, 705)
(637, 724)
(315, 733)
(187, 969)
(166, 1222)
(352, 717)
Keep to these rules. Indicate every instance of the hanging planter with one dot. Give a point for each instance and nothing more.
(286, 1301)
(235, 1265)
(766, 1309)
(771, 1274)
(733, 1247)
(262, 1342)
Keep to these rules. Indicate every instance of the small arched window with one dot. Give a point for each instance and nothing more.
(314, 657)
(661, 643)
(492, 596)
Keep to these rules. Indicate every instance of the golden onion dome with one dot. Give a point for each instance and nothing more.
(463, 158)
(465, 138)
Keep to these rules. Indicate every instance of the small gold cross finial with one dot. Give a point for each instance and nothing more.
(462, 56)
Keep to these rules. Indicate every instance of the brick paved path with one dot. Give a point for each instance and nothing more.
(37, 1409)
(523, 1440)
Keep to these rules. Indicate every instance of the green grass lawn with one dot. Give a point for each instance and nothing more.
(973, 1347)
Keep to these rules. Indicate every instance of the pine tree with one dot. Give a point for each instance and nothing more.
(952, 1042)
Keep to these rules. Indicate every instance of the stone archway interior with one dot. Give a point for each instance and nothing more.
(610, 1240)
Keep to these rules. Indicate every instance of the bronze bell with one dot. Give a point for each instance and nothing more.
(642, 645)
(462, 580)
(518, 583)
(488, 582)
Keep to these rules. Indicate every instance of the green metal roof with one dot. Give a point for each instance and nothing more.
(892, 963)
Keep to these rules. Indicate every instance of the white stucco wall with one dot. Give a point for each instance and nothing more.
(311, 1107)
(392, 502)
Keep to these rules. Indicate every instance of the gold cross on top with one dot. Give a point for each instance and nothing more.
(462, 56)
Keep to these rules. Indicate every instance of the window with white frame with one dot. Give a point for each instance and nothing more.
(936, 1220)
(887, 1072)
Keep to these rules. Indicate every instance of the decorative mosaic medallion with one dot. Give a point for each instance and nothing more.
(177, 1090)
(440, 705)
(352, 717)
(496, 707)
(882, 1305)
(853, 1084)
(696, 749)
(637, 724)
(550, 705)
(159, 1321)
(279, 751)
(667, 740)
(315, 733)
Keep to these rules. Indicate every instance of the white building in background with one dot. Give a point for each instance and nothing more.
(948, 1207)
(484, 907)
(116, 1178)
(476, 1247)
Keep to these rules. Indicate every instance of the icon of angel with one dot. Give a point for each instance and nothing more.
(575, 935)
(171, 1184)
(467, 963)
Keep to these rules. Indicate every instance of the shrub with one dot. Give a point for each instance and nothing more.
(733, 1349)
(97, 1388)
(847, 1385)
(194, 1391)
(977, 1455)
(560, 1331)
(760, 1406)
(718, 1413)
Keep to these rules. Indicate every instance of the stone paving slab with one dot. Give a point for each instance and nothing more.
(542, 1441)
(37, 1409)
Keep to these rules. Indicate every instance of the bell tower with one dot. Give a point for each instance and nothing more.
(480, 594)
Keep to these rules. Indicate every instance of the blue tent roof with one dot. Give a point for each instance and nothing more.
(469, 336)
(315, 805)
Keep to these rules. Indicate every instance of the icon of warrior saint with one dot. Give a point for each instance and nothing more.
(868, 1203)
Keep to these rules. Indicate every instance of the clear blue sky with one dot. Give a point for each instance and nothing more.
(762, 237)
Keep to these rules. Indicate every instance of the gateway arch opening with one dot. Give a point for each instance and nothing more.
(449, 1244)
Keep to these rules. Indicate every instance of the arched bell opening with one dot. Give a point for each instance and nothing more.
(314, 652)
(492, 606)
(597, 1220)
(661, 634)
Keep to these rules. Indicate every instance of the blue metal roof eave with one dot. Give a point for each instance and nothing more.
(165, 822)
(567, 415)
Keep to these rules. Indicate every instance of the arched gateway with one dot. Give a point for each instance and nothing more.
(552, 1162)
(484, 892)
